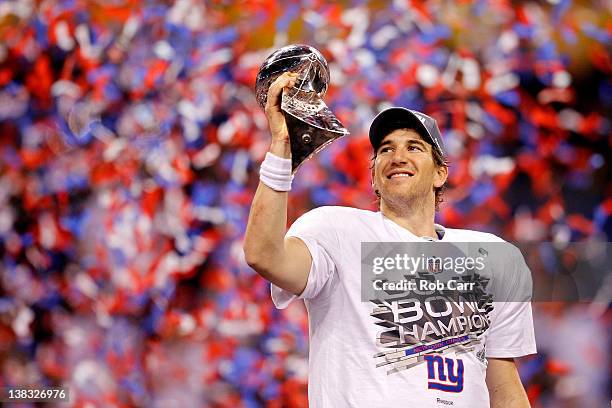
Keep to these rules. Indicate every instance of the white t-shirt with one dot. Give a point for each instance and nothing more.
(344, 351)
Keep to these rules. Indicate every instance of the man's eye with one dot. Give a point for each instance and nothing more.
(385, 149)
(416, 148)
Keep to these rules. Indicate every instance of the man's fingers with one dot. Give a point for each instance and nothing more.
(276, 119)
(277, 86)
(285, 80)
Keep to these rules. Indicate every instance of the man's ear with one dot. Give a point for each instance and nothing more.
(372, 176)
(440, 176)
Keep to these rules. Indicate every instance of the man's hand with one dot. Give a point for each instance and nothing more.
(276, 118)
(504, 384)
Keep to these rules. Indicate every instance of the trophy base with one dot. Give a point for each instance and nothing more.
(307, 140)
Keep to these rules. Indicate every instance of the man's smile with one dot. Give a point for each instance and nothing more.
(399, 173)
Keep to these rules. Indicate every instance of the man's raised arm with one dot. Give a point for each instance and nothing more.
(284, 262)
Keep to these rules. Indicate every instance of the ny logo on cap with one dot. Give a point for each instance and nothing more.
(420, 116)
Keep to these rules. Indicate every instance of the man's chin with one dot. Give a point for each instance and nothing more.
(398, 196)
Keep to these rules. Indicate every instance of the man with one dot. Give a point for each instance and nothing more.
(319, 258)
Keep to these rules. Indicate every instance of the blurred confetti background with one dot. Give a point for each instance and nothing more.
(130, 142)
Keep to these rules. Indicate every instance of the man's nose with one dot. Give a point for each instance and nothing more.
(400, 156)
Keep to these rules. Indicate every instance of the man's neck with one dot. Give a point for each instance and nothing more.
(418, 219)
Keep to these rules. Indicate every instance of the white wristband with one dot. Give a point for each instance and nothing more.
(275, 172)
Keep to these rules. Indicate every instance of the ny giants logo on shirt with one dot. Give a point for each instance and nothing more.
(442, 375)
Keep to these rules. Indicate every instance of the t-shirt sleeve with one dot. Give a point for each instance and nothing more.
(511, 332)
(315, 229)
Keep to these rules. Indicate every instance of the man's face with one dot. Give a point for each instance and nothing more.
(404, 168)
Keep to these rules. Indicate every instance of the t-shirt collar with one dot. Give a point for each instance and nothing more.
(440, 230)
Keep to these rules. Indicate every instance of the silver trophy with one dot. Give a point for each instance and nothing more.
(311, 124)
